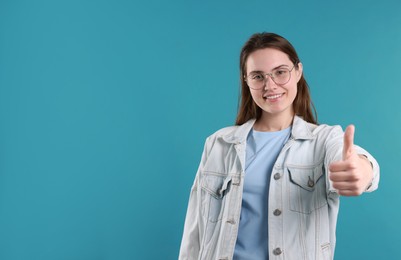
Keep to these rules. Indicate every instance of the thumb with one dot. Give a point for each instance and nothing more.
(348, 148)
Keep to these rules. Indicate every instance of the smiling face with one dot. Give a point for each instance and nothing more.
(274, 100)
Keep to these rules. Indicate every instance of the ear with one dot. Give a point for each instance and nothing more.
(299, 71)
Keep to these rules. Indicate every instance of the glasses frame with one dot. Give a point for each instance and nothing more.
(271, 76)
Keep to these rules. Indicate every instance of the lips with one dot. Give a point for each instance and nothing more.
(273, 96)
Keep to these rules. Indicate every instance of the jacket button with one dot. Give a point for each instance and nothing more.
(277, 251)
(311, 183)
(277, 176)
(231, 221)
(277, 212)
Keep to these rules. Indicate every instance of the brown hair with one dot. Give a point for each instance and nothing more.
(247, 107)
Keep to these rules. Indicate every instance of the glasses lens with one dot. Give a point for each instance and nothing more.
(256, 81)
(281, 76)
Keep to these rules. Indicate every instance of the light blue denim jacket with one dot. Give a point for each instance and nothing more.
(303, 206)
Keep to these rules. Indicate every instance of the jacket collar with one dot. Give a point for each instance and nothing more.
(300, 130)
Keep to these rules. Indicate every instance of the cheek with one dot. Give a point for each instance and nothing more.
(293, 94)
(293, 88)
(255, 94)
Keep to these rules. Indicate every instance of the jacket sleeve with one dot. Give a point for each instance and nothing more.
(334, 147)
(192, 235)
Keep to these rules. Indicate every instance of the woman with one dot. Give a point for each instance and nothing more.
(269, 187)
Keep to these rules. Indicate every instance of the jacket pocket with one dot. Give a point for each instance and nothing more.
(214, 189)
(307, 188)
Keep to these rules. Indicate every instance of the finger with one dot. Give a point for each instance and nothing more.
(348, 148)
(345, 185)
(342, 176)
(349, 193)
(337, 166)
(342, 166)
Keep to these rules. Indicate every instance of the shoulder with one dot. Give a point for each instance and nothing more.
(326, 130)
(327, 135)
(234, 134)
(305, 130)
(231, 134)
(225, 131)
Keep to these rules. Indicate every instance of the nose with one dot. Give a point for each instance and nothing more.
(269, 82)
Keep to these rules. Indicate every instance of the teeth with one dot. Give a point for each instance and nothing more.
(275, 96)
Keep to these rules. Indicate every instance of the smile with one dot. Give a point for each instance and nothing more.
(274, 96)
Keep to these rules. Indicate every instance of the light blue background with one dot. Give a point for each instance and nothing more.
(105, 105)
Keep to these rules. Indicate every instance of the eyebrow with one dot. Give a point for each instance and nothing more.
(260, 71)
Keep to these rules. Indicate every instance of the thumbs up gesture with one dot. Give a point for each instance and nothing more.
(353, 173)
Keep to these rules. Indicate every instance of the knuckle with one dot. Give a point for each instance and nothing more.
(354, 186)
(352, 165)
(354, 176)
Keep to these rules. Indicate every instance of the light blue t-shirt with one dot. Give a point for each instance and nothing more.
(262, 150)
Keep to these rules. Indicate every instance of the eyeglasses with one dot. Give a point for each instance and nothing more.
(257, 80)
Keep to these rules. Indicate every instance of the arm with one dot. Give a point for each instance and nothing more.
(190, 243)
(192, 235)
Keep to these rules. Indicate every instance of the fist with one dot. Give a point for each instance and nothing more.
(352, 175)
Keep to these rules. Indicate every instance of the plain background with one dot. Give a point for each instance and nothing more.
(105, 105)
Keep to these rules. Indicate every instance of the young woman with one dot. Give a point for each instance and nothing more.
(269, 187)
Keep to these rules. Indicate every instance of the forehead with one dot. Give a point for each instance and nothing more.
(266, 59)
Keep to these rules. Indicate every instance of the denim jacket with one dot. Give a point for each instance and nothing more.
(303, 205)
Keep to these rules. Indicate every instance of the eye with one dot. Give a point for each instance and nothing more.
(257, 77)
(280, 73)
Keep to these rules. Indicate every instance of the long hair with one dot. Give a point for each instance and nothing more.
(247, 107)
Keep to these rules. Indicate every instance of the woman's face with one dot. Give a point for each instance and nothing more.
(274, 99)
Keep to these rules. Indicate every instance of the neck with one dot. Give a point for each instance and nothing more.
(271, 123)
